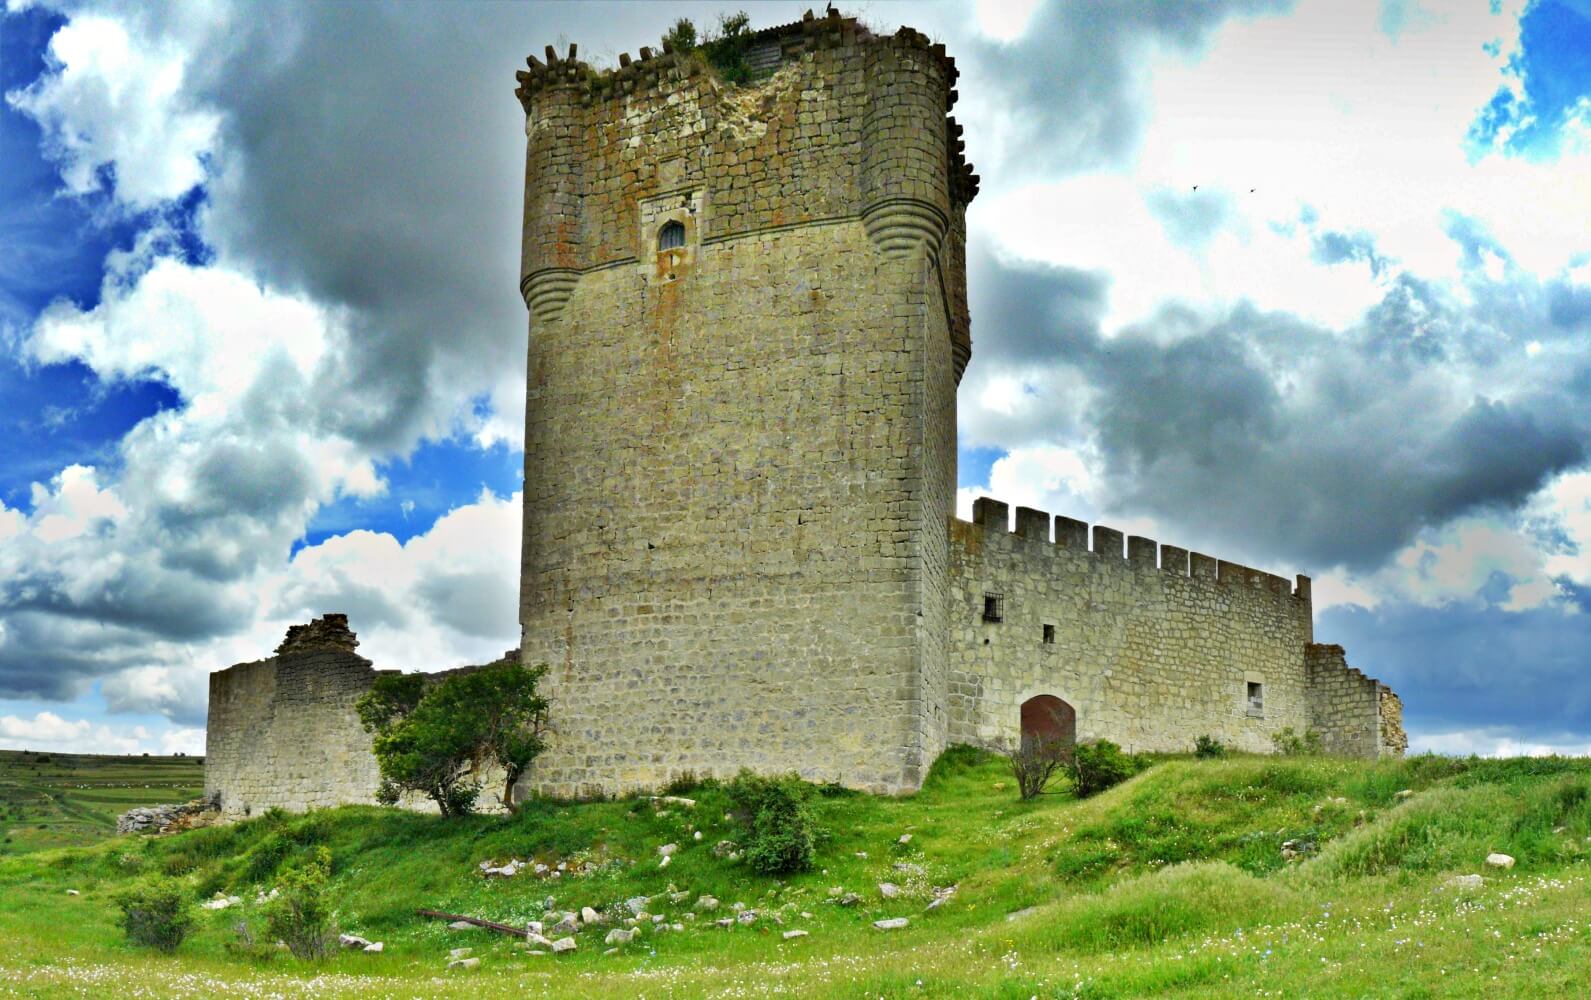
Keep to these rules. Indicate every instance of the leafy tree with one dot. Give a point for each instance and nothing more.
(1098, 765)
(430, 737)
(724, 46)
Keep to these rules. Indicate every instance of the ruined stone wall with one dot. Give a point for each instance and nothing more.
(284, 732)
(740, 453)
(1152, 647)
(1354, 714)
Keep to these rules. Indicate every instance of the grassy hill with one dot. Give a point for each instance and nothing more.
(1172, 884)
(65, 800)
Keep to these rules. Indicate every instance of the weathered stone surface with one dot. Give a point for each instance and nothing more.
(892, 924)
(564, 944)
(166, 818)
(1499, 861)
(619, 935)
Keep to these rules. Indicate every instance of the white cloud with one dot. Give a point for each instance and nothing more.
(48, 731)
(116, 99)
(1493, 743)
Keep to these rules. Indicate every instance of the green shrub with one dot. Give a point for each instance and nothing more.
(266, 857)
(1290, 744)
(155, 914)
(300, 913)
(1099, 765)
(781, 833)
(1208, 748)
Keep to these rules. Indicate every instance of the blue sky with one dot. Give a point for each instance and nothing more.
(1305, 285)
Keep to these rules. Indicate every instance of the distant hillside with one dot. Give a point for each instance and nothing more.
(72, 800)
(1250, 876)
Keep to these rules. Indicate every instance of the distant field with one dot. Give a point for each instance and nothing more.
(72, 800)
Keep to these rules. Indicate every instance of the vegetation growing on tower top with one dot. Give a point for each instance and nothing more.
(723, 47)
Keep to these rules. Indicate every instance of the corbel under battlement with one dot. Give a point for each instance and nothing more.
(1137, 553)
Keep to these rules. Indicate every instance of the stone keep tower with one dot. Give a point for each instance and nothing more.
(747, 322)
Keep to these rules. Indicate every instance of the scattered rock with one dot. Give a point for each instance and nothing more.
(675, 800)
(666, 859)
(726, 922)
(562, 945)
(570, 924)
(459, 953)
(905, 838)
(534, 927)
(667, 849)
(464, 964)
(589, 916)
(636, 904)
(618, 936)
(462, 925)
(889, 890)
(892, 924)
(220, 902)
(697, 835)
(1463, 882)
(737, 907)
(792, 935)
(679, 897)
(73, 892)
(375, 947)
(1404, 793)
(747, 916)
(535, 940)
(724, 848)
(908, 868)
(849, 899)
(1499, 860)
(352, 941)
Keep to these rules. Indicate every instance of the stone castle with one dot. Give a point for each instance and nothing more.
(748, 320)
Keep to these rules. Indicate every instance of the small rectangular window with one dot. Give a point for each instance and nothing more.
(993, 608)
(1049, 635)
(1256, 696)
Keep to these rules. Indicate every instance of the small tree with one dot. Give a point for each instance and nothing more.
(156, 914)
(300, 912)
(1034, 761)
(429, 738)
(681, 38)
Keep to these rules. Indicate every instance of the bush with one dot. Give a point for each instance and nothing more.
(1034, 762)
(1208, 748)
(1290, 744)
(156, 914)
(781, 833)
(300, 913)
(1099, 765)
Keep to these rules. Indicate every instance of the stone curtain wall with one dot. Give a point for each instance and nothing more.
(740, 454)
(1354, 714)
(284, 732)
(1152, 647)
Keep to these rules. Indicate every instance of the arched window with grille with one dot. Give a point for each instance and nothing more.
(671, 236)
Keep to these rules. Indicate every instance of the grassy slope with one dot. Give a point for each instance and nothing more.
(57, 800)
(1171, 885)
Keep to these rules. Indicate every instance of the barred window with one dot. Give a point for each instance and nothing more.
(671, 236)
(1256, 697)
(993, 607)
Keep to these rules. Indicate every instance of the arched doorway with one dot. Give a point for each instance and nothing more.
(1049, 722)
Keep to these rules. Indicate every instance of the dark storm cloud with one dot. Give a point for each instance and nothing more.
(1460, 666)
(1279, 438)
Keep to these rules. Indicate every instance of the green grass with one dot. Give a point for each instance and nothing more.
(1169, 885)
(50, 800)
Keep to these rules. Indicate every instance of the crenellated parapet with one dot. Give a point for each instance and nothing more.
(1065, 534)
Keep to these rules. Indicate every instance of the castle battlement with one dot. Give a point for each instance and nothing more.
(1072, 536)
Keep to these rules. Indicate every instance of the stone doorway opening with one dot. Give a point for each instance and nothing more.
(1048, 722)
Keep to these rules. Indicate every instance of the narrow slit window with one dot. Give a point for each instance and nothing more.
(993, 608)
(1256, 696)
(1049, 635)
(671, 236)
